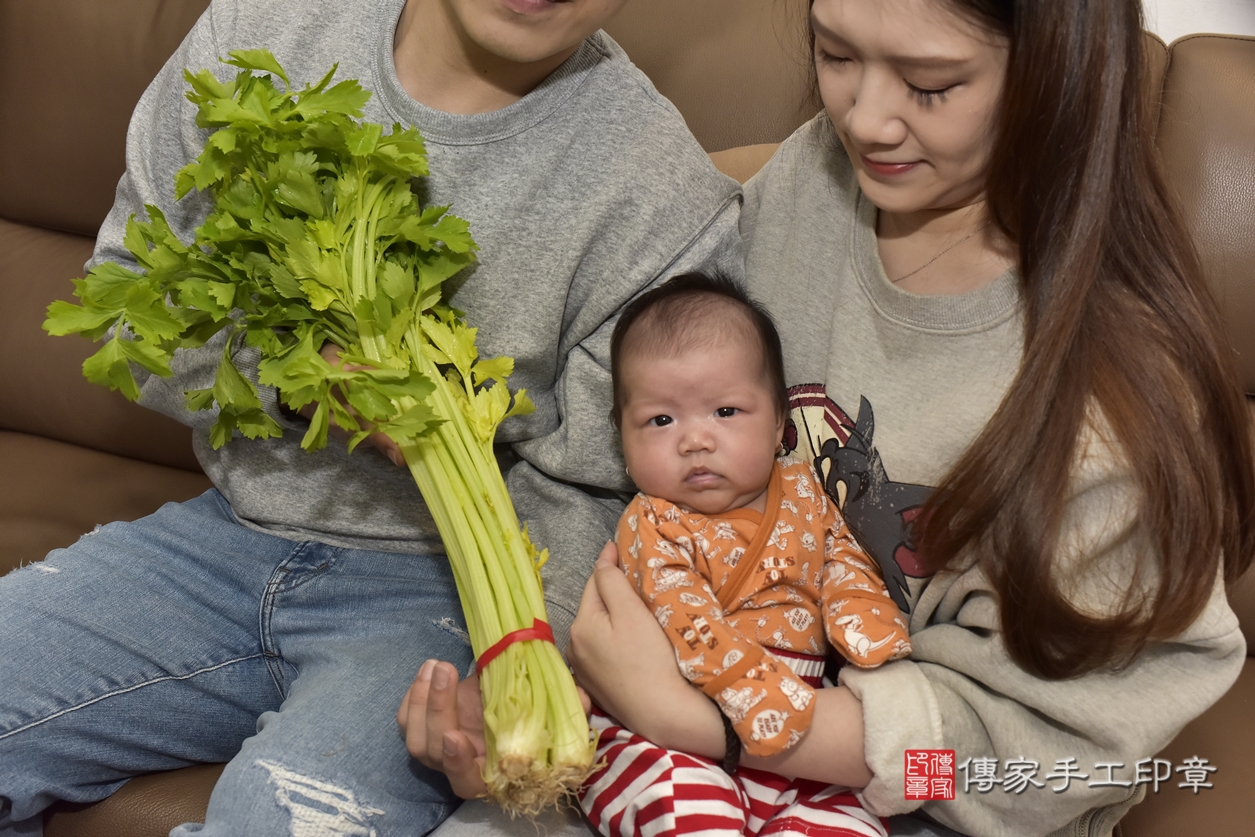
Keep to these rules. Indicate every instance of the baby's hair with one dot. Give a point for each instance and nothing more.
(692, 310)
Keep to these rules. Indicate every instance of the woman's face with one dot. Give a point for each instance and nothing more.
(912, 89)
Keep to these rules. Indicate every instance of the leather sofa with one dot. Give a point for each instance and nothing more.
(73, 455)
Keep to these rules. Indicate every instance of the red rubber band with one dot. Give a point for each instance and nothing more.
(538, 630)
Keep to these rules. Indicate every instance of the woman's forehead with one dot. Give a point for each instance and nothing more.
(920, 32)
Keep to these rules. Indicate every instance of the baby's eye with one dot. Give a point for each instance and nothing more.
(660, 421)
(726, 412)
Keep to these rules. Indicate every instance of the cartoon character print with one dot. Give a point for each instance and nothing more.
(839, 574)
(737, 703)
(799, 618)
(798, 694)
(778, 537)
(879, 511)
(808, 541)
(691, 669)
(857, 642)
(768, 724)
(667, 579)
(776, 639)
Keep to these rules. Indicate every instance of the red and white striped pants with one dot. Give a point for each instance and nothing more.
(647, 791)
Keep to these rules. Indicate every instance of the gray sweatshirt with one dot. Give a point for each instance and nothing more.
(581, 195)
(888, 390)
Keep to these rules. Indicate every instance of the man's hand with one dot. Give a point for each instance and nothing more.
(442, 719)
(331, 353)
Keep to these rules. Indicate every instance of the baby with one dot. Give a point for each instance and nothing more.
(742, 558)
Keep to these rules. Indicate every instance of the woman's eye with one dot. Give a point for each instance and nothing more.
(926, 96)
(726, 412)
(660, 421)
(822, 56)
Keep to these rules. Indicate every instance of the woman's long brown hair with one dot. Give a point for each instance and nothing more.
(1119, 324)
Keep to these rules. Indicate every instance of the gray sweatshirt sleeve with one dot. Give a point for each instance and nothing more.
(961, 691)
(162, 138)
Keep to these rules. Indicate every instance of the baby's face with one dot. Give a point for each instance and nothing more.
(700, 429)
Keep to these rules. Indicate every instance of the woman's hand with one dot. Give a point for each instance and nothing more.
(442, 719)
(621, 656)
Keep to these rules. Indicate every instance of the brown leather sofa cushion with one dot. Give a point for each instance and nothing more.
(710, 54)
(1207, 139)
(71, 72)
(147, 806)
(45, 393)
(1225, 736)
(54, 492)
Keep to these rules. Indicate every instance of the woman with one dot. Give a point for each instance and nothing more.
(1016, 389)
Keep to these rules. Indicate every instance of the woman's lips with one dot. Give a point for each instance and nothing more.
(532, 6)
(887, 169)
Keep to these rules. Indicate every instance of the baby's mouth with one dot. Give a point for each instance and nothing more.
(701, 477)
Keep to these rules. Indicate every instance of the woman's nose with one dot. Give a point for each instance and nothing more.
(872, 119)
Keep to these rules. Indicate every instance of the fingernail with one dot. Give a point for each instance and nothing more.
(440, 678)
(424, 673)
(397, 459)
(449, 745)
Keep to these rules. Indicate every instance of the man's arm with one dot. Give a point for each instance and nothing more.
(162, 138)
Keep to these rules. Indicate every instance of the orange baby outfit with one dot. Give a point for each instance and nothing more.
(724, 587)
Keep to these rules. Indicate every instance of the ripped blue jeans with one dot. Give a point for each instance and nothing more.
(186, 638)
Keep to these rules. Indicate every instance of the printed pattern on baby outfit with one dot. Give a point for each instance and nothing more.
(726, 587)
(643, 790)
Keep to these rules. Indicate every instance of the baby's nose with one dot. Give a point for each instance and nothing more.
(697, 438)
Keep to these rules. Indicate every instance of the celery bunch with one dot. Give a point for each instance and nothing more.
(316, 235)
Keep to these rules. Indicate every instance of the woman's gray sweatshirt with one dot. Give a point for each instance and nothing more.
(888, 389)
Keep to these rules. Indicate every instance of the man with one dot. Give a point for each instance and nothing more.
(277, 620)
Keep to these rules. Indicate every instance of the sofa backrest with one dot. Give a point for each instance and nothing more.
(738, 70)
(70, 74)
(71, 71)
(1206, 136)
